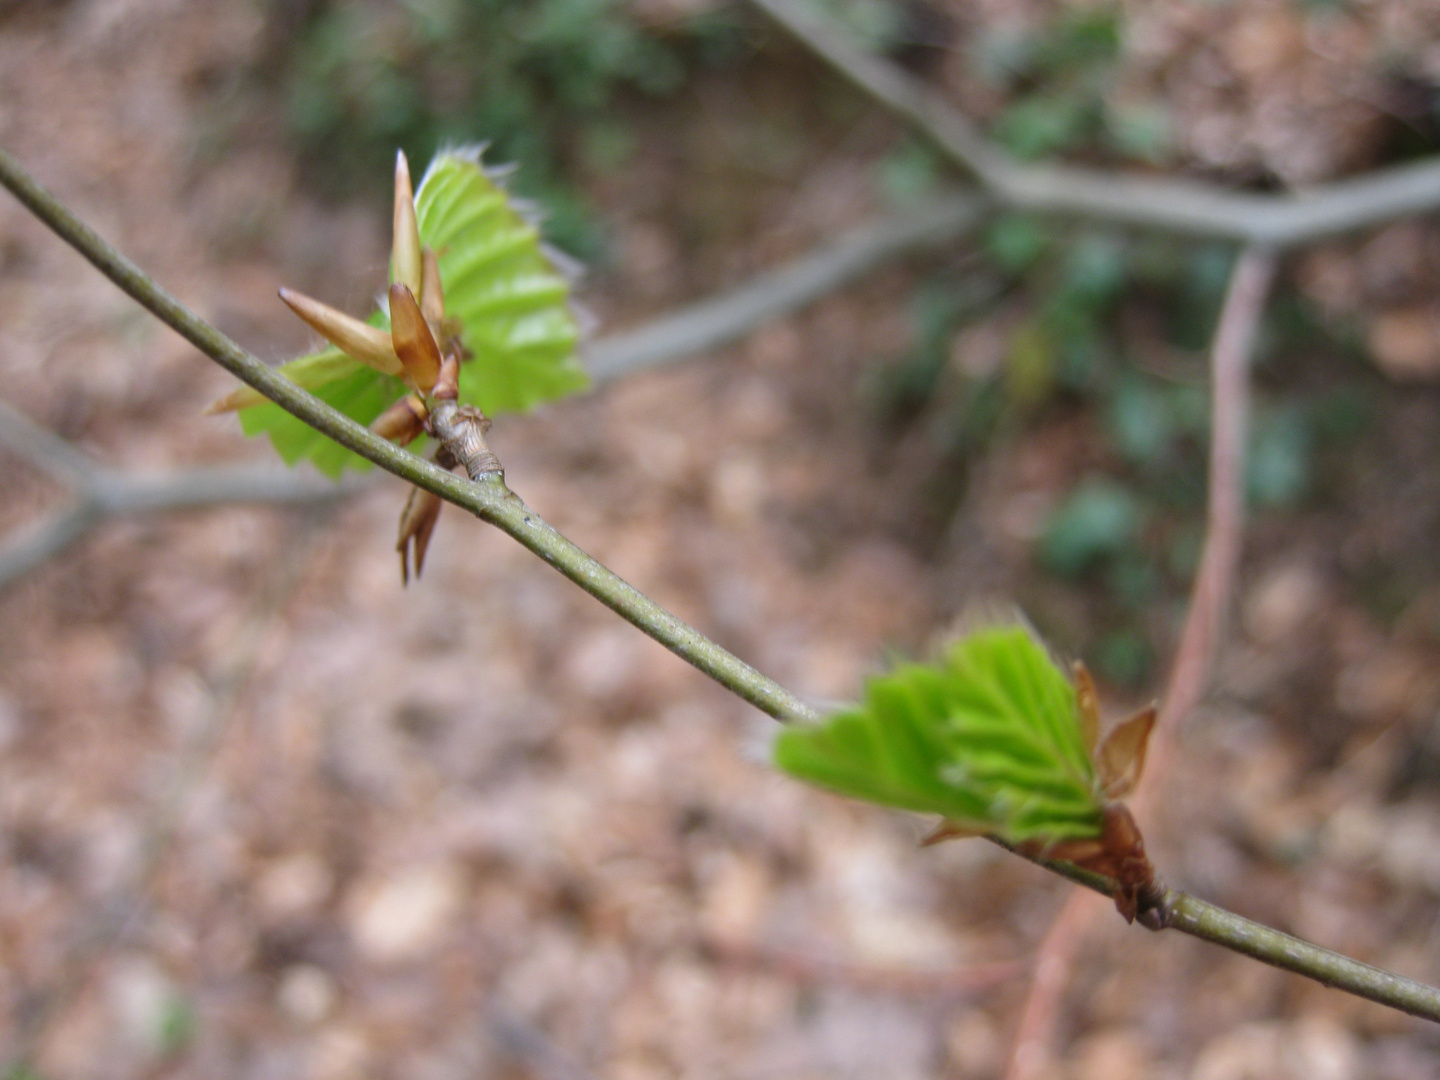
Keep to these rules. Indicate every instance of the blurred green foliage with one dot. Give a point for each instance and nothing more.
(908, 172)
(537, 81)
(1099, 518)
(178, 1023)
(1113, 330)
(1061, 80)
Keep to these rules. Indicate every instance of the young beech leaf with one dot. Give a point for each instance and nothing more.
(990, 738)
(505, 299)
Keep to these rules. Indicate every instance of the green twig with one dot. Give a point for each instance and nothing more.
(1190, 915)
(491, 500)
(505, 510)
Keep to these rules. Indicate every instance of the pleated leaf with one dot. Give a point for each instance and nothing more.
(988, 738)
(503, 292)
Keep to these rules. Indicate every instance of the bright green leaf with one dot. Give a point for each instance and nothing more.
(988, 738)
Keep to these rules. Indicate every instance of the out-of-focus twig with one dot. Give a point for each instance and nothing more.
(813, 968)
(1184, 206)
(102, 493)
(1049, 975)
(1225, 507)
(722, 319)
(1199, 637)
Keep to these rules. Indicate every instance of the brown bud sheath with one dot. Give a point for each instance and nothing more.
(417, 523)
(239, 398)
(432, 292)
(405, 252)
(447, 386)
(368, 344)
(412, 339)
(403, 422)
(1120, 759)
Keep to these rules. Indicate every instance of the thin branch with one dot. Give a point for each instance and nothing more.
(1225, 508)
(1049, 976)
(824, 970)
(1184, 206)
(1210, 596)
(1209, 922)
(489, 499)
(504, 509)
(33, 544)
(102, 493)
(722, 319)
(1199, 918)
(44, 449)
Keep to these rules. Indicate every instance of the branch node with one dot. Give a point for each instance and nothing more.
(461, 431)
(1154, 905)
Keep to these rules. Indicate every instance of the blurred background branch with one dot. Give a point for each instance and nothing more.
(1180, 206)
(102, 493)
(1211, 598)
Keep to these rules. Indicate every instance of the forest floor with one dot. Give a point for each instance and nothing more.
(264, 813)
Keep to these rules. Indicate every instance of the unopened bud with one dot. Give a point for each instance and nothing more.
(417, 523)
(403, 422)
(405, 252)
(368, 344)
(447, 386)
(413, 342)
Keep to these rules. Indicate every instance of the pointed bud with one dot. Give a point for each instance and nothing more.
(403, 422)
(405, 252)
(368, 344)
(417, 523)
(240, 398)
(951, 830)
(413, 342)
(447, 386)
(432, 292)
(1120, 759)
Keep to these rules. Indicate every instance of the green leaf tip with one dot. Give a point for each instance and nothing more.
(989, 737)
(507, 304)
